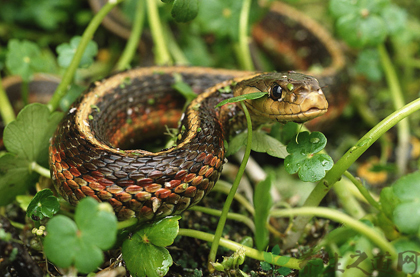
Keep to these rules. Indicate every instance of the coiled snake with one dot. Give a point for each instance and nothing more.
(89, 152)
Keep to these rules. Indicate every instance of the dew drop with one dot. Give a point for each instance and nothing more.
(314, 140)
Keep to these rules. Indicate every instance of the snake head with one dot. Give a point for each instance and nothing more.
(291, 97)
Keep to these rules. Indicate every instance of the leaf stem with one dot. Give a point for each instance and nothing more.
(365, 192)
(234, 216)
(249, 252)
(229, 199)
(40, 170)
(244, 54)
(86, 37)
(347, 200)
(324, 185)
(398, 100)
(6, 110)
(174, 49)
(343, 218)
(162, 56)
(127, 223)
(225, 187)
(25, 92)
(133, 40)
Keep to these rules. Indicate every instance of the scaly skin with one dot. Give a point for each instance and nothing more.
(85, 152)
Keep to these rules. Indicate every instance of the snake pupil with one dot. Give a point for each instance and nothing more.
(276, 92)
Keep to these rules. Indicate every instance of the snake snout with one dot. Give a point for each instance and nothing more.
(314, 104)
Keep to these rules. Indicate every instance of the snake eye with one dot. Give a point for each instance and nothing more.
(276, 92)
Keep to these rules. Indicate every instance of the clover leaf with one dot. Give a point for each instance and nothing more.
(145, 253)
(23, 58)
(183, 10)
(401, 203)
(366, 23)
(44, 204)
(304, 158)
(66, 52)
(26, 139)
(81, 242)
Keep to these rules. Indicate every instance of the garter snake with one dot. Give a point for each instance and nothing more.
(91, 152)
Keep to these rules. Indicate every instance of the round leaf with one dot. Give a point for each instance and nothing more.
(66, 52)
(406, 217)
(97, 226)
(161, 233)
(145, 259)
(44, 204)
(60, 244)
(304, 160)
(22, 58)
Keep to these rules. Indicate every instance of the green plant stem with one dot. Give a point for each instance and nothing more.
(347, 200)
(127, 223)
(86, 37)
(174, 49)
(133, 41)
(249, 252)
(356, 225)
(244, 54)
(323, 186)
(398, 100)
(225, 187)
(363, 191)
(229, 199)
(162, 56)
(6, 110)
(234, 216)
(40, 170)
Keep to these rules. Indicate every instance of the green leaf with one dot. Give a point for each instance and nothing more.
(27, 139)
(395, 18)
(44, 204)
(144, 252)
(66, 52)
(284, 132)
(184, 10)
(408, 187)
(249, 96)
(80, 243)
(23, 58)
(274, 259)
(389, 201)
(368, 63)
(370, 31)
(262, 142)
(401, 203)
(262, 204)
(163, 232)
(304, 158)
(156, 260)
(407, 217)
(48, 14)
(15, 177)
(220, 17)
(60, 244)
(29, 134)
(183, 88)
(406, 248)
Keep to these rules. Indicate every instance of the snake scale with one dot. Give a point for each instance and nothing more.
(95, 149)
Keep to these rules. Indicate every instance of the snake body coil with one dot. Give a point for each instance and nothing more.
(89, 152)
